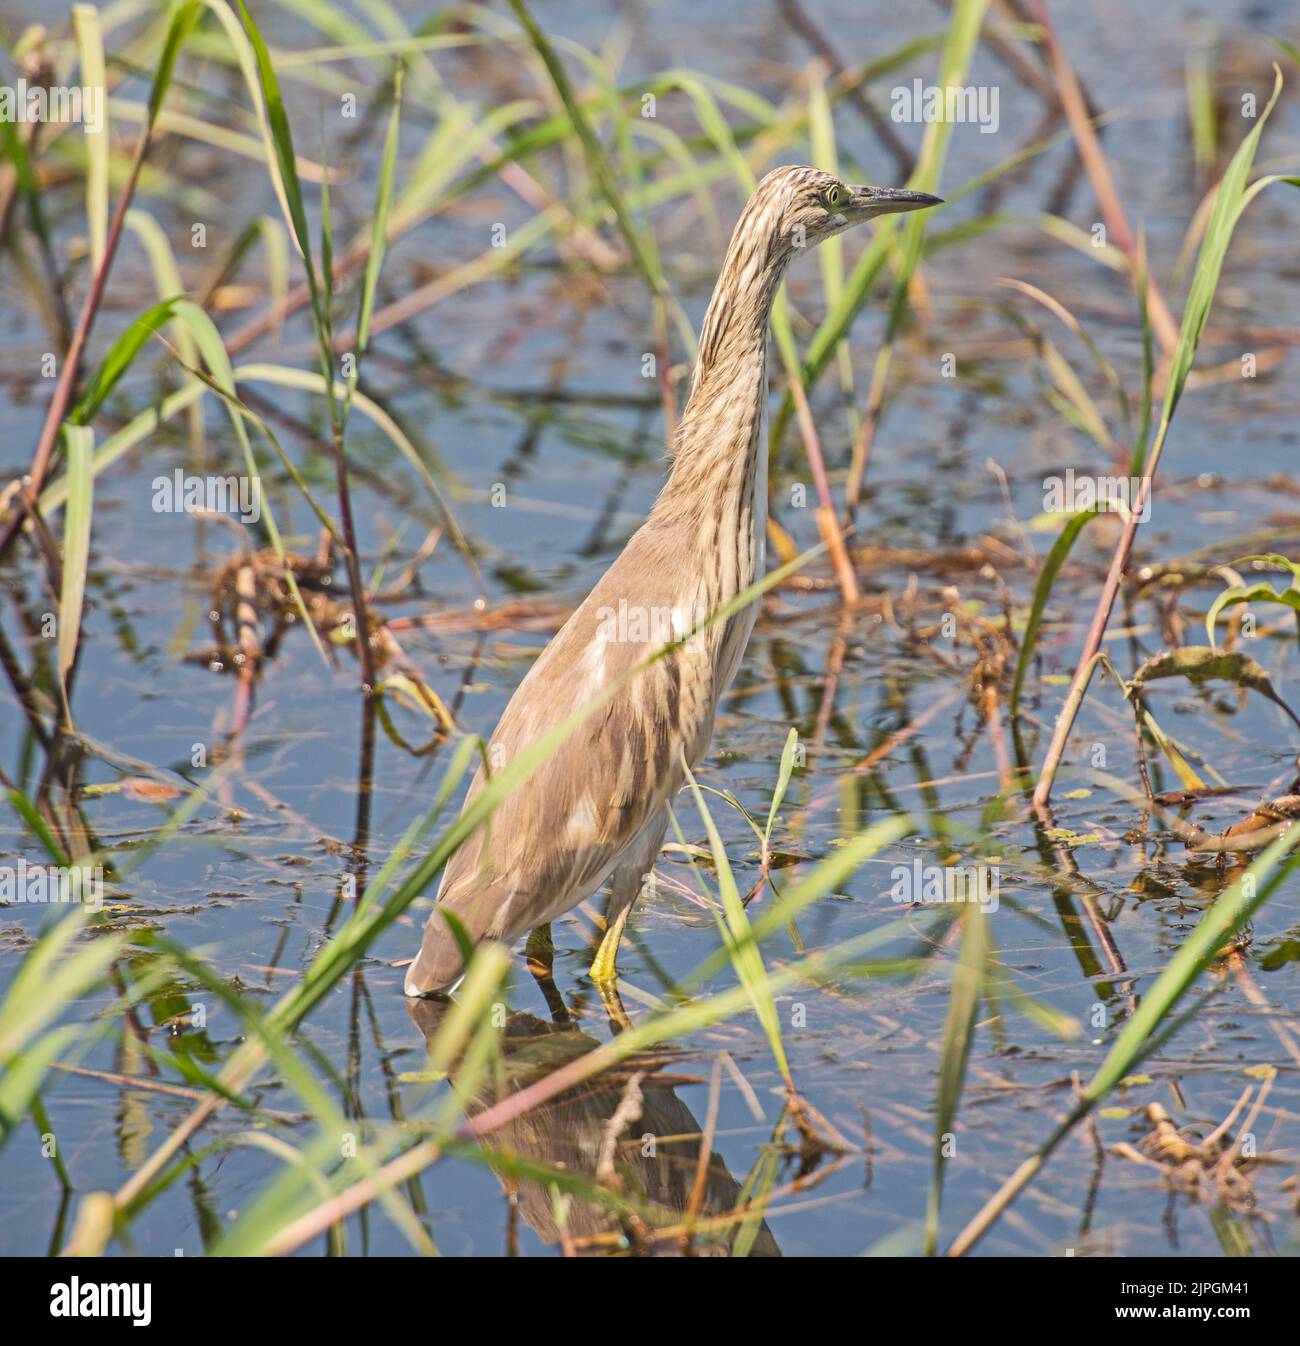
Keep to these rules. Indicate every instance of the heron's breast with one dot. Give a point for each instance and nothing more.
(750, 528)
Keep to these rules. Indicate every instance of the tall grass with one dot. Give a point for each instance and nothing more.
(1232, 197)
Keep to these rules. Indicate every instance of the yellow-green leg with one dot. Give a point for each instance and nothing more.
(624, 887)
(604, 968)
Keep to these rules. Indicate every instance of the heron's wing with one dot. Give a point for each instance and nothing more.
(554, 839)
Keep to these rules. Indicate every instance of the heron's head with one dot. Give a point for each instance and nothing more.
(798, 206)
(792, 209)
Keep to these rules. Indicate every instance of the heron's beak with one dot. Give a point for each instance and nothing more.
(868, 202)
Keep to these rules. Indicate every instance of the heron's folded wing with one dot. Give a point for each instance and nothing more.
(560, 833)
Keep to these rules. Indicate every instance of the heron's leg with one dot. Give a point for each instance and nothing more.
(613, 1003)
(540, 955)
(604, 969)
(540, 950)
(625, 885)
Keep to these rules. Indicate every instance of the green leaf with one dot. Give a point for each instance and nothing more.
(119, 358)
(182, 25)
(597, 159)
(788, 754)
(1249, 593)
(958, 1033)
(284, 161)
(1060, 549)
(80, 443)
(379, 225)
(90, 46)
(963, 34)
(738, 937)
(1229, 202)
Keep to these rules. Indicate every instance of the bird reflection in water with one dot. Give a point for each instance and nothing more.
(625, 1130)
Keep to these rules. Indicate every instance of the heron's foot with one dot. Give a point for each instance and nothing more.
(604, 972)
(613, 1003)
(604, 968)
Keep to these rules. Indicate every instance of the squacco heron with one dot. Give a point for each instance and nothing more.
(597, 809)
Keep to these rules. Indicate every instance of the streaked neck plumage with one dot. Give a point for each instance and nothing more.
(714, 505)
(720, 436)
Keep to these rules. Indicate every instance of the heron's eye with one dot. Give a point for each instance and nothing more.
(834, 196)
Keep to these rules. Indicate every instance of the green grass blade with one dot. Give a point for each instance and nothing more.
(738, 936)
(178, 33)
(597, 160)
(51, 976)
(40, 829)
(119, 359)
(788, 755)
(166, 274)
(1056, 558)
(80, 444)
(379, 224)
(90, 45)
(954, 1050)
(281, 143)
(1229, 203)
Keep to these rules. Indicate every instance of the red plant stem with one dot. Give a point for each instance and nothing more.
(58, 407)
(1091, 646)
(828, 524)
(360, 607)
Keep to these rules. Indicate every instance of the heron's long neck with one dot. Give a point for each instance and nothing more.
(717, 443)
